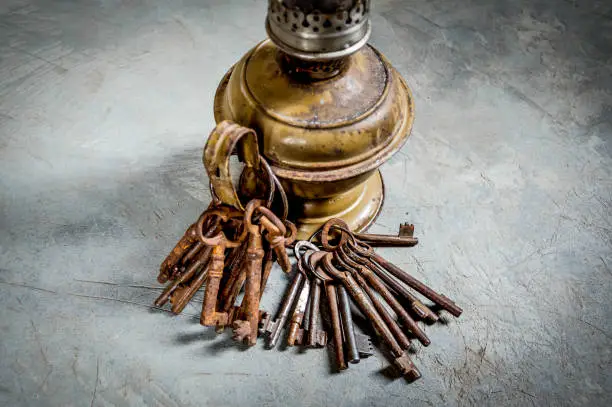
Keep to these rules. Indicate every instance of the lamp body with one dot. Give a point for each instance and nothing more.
(326, 138)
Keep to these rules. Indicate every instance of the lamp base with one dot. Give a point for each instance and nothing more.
(358, 207)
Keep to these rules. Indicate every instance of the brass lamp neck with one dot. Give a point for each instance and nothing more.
(319, 30)
(304, 70)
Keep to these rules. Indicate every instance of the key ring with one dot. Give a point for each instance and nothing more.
(279, 188)
(337, 224)
(223, 213)
(303, 244)
(226, 137)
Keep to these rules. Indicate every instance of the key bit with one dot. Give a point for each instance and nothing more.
(405, 237)
(319, 338)
(275, 327)
(298, 313)
(264, 323)
(241, 331)
(406, 230)
(364, 345)
(407, 367)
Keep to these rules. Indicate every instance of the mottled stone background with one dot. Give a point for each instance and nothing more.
(105, 106)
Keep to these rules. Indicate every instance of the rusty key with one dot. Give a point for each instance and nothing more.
(193, 268)
(183, 295)
(246, 328)
(418, 308)
(401, 338)
(298, 313)
(169, 267)
(311, 335)
(400, 358)
(352, 352)
(276, 232)
(275, 327)
(405, 238)
(441, 300)
(361, 263)
(210, 316)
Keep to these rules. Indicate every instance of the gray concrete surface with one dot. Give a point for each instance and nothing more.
(104, 109)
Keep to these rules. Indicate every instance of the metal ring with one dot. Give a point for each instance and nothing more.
(347, 231)
(301, 244)
(272, 218)
(271, 181)
(306, 258)
(280, 189)
(325, 229)
(315, 234)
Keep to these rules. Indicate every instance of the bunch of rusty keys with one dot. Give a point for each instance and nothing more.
(376, 286)
(303, 296)
(227, 249)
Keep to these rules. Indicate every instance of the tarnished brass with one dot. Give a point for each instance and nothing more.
(324, 138)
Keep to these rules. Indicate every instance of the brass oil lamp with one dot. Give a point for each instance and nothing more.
(327, 107)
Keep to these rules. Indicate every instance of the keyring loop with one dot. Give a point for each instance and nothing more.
(314, 235)
(223, 140)
(279, 188)
(301, 244)
(272, 218)
(292, 230)
(272, 181)
(333, 222)
(361, 248)
(224, 213)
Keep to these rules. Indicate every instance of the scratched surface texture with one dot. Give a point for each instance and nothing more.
(105, 106)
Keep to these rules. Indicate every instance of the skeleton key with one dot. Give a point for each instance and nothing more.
(202, 259)
(234, 272)
(246, 328)
(193, 268)
(401, 358)
(358, 247)
(352, 353)
(296, 333)
(353, 269)
(174, 257)
(405, 238)
(399, 335)
(310, 335)
(219, 242)
(276, 236)
(298, 313)
(316, 337)
(419, 309)
(274, 327)
(185, 246)
(320, 277)
(443, 301)
(227, 297)
(361, 264)
(185, 294)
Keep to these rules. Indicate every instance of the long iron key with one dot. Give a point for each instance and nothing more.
(405, 238)
(298, 314)
(352, 352)
(336, 323)
(400, 357)
(314, 334)
(274, 328)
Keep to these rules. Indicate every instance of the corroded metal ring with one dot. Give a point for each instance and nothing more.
(225, 138)
(335, 223)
